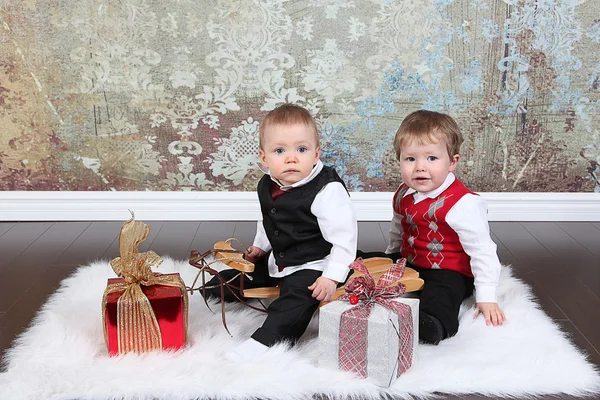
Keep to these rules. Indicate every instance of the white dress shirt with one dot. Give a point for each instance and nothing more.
(337, 220)
(468, 218)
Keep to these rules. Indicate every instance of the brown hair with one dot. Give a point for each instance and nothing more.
(288, 114)
(429, 127)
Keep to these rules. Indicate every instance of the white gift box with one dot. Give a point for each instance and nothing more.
(382, 338)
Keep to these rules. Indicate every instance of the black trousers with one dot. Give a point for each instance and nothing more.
(442, 294)
(288, 315)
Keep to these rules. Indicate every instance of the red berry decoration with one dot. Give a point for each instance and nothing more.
(353, 300)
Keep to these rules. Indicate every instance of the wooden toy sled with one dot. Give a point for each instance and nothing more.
(225, 253)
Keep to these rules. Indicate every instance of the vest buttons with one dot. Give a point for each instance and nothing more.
(281, 254)
(276, 233)
(273, 211)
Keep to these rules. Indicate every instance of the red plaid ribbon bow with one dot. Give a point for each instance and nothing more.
(354, 322)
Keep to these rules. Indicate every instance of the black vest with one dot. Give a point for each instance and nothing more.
(291, 228)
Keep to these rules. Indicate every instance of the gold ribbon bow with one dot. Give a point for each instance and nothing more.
(137, 326)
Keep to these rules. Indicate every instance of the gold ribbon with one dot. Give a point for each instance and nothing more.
(137, 326)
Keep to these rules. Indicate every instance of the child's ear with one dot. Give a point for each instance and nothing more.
(263, 159)
(454, 162)
(317, 153)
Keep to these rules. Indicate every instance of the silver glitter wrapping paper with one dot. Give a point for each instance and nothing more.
(382, 347)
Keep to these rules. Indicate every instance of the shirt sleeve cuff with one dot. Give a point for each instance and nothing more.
(485, 294)
(336, 272)
(262, 244)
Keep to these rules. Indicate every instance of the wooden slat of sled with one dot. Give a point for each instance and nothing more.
(242, 265)
(412, 285)
(377, 266)
(262, 293)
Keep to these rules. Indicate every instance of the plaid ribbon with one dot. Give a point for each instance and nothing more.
(353, 336)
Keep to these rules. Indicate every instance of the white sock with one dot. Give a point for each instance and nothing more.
(247, 350)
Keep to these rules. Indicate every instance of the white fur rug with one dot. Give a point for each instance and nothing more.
(63, 356)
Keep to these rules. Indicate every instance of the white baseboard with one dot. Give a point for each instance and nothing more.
(243, 206)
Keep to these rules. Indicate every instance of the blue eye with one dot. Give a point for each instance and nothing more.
(411, 159)
(302, 149)
(432, 158)
(279, 150)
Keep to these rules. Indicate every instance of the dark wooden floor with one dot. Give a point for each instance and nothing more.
(561, 261)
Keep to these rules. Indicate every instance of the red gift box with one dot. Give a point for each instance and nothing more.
(168, 305)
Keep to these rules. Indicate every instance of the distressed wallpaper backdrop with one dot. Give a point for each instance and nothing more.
(168, 94)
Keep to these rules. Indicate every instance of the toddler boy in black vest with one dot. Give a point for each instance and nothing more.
(441, 227)
(307, 237)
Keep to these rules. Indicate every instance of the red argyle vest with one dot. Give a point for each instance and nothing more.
(427, 240)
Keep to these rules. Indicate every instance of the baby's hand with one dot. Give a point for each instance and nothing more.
(323, 288)
(491, 312)
(253, 254)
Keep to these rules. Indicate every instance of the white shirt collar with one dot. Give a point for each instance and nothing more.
(434, 193)
(315, 171)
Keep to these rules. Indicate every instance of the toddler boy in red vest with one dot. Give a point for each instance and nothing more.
(306, 238)
(441, 227)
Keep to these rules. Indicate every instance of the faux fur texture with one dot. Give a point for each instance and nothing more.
(63, 355)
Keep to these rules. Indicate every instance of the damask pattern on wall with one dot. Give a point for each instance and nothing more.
(168, 95)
